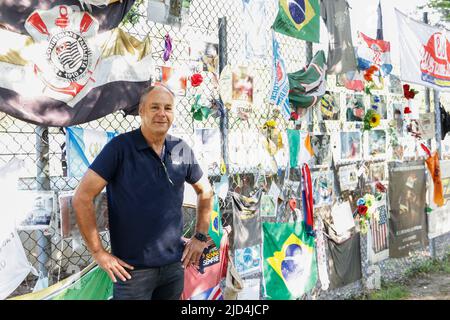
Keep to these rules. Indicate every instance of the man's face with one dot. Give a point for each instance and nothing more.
(157, 111)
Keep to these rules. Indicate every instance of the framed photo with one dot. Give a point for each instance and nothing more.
(322, 149)
(350, 146)
(354, 107)
(323, 188)
(35, 210)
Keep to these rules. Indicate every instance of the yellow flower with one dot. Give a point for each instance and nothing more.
(271, 123)
(375, 120)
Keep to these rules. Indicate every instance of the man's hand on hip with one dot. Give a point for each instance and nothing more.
(112, 265)
(192, 252)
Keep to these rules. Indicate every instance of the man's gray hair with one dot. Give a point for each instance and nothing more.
(149, 89)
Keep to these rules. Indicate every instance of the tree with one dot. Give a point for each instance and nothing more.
(440, 6)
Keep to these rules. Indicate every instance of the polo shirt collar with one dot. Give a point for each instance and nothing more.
(141, 144)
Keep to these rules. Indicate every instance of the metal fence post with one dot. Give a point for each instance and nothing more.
(43, 183)
(222, 64)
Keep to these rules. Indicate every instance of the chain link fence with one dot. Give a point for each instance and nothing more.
(43, 149)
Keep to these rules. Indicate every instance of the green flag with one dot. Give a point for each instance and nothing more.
(299, 19)
(290, 265)
(308, 85)
(215, 226)
(95, 285)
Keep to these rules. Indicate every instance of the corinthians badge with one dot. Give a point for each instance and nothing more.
(65, 64)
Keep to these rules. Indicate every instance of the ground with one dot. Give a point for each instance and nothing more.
(429, 287)
(428, 280)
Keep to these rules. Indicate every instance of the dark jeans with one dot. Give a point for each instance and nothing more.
(161, 283)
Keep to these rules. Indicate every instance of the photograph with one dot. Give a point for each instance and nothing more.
(35, 209)
(348, 179)
(208, 147)
(330, 106)
(268, 206)
(174, 78)
(377, 172)
(69, 226)
(351, 145)
(170, 12)
(322, 149)
(376, 145)
(205, 55)
(354, 107)
(322, 186)
(378, 103)
(242, 83)
(397, 109)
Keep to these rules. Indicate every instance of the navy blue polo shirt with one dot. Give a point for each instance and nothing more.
(145, 196)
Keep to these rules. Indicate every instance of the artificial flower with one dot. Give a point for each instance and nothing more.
(360, 202)
(362, 210)
(375, 120)
(407, 110)
(294, 116)
(196, 79)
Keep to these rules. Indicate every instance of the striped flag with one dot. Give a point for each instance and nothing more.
(280, 84)
(62, 66)
(83, 145)
(378, 231)
(300, 149)
(374, 52)
(214, 293)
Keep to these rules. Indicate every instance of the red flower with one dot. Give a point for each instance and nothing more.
(407, 110)
(408, 92)
(196, 79)
(362, 210)
(294, 116)
(380, 187)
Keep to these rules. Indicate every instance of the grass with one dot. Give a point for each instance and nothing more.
(398, 290)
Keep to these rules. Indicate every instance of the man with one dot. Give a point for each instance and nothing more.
(144, 173)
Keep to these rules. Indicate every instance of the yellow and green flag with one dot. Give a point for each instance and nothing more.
(215, 226)
(290, 264)
(299, 19)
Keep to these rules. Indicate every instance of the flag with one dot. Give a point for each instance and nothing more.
(255, 33)
(424, 53)
(435, 172)
(203, 283)
(83, 145)
(64, 66)
(341, 53)
(92, 283)
(300, 149)
(290, 266)
(344, 261)
(280, 84)
(246, 220)
(298, 19)
(371, 52)
(352, 80)
(307, 86)
(215, 230)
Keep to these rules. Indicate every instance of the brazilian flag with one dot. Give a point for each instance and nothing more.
(299, 19)
(215, 226)
(290, 264)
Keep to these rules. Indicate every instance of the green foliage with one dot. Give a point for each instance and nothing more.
(133, 14)
(441, 6)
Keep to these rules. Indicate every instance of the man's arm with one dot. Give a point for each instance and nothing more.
(83, 203)
(194, 248)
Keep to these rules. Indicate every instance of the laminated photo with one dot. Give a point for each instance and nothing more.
(376, 144)
(330, 106)
(322, 187)
(354, 104)
(378, 103)
(322, 149)
(350, 146)
(35, 209)
(348, 178)
(174, 78)
(170, 12)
